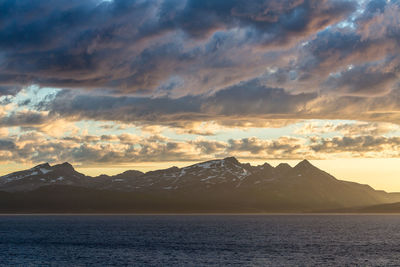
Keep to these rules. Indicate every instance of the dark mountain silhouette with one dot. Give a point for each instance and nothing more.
(381, 208)
(224, 185)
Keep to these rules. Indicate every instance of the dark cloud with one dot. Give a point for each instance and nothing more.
(191, 47)
(137, 46)
(7, 90)
(124, 109)
(193, 65)
(249, 104)
(359, 145)
(209, 147)
(360, 57)
(7, 144)
(257, 146)
(362, 81)
(372, 9)
(253, 98)
(246, 99)
(279, 19)
(334, 50)
(23, 118)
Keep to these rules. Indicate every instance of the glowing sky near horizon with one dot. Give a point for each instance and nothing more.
(146, 84)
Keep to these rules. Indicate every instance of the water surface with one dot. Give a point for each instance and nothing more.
(189, 240)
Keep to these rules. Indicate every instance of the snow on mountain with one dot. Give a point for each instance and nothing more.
(222, 175)
(42, 175)
(215, 172)
(216, 181)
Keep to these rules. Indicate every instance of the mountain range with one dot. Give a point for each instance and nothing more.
(223, 185)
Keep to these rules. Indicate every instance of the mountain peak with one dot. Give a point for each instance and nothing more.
(305, 167)
(131, 173)
(43, 165)
(232, 160)
(304, 164)
(283, 167)
(65, 166)
(189, 189)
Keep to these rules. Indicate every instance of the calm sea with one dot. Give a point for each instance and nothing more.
(277, 240)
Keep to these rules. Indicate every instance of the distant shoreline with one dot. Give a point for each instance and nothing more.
(201, 214)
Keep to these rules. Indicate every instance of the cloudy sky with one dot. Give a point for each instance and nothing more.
(146, 84)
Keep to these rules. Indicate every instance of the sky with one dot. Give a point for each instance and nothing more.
(147, 84)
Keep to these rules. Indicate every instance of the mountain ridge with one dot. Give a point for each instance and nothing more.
(214, 185)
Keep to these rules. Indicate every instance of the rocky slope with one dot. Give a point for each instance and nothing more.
(217, 185)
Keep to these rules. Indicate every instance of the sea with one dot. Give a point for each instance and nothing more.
(199, 240)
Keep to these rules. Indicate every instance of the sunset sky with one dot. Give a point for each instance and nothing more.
(147, 84)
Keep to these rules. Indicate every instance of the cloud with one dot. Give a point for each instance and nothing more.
(189, 67)
(359, 146)
(360, 128)
(284, 147)
(23, 118)
(241, 101)
(6, 90)
(177, 48)
(34, 147)
(362, 81)
(168, 50)
(28, 120)
(347, 129)
(279, 19)
(7, 144)
(138, 46)
(125, 148)
(249, 104)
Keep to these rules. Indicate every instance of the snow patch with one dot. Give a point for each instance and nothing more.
(208, 178)
(13, 177)
(209, 164)
(183, 172)
(44, 171)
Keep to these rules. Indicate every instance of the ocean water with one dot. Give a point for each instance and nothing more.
(189, 240)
